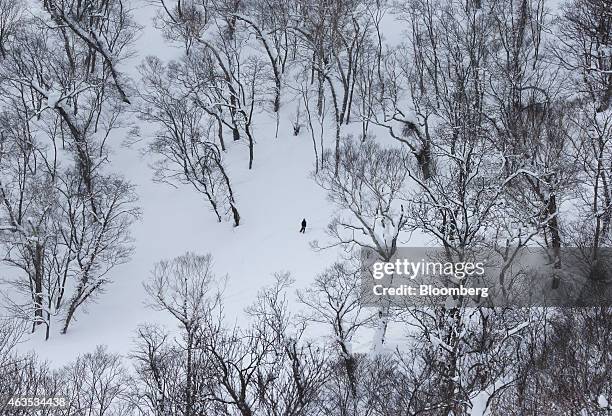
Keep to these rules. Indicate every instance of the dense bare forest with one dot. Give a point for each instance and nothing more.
(476, 124)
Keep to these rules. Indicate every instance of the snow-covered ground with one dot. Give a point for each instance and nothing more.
(272, 198)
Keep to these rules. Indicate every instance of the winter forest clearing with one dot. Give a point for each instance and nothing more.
(188, 188)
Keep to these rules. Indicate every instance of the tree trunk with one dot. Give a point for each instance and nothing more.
(38, 288)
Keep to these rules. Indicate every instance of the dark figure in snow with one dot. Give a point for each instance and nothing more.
(303, 229)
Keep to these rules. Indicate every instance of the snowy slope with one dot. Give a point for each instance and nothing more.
(272, 199)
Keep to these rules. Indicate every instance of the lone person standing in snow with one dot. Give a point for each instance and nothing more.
(303, 229)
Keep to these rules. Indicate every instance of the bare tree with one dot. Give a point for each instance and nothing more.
(368, 187)
(183, 141)
(97, 242)
(292, 375)
(95, 383)
(270, 21)
(186, 288)
(333, 300)
(11, 331)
